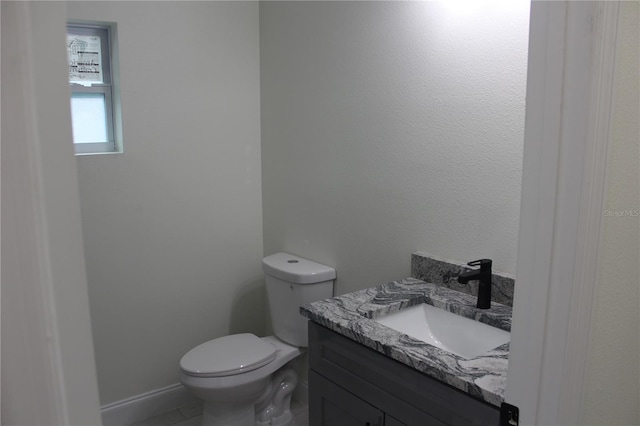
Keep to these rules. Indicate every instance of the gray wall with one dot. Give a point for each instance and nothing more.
(392, 127)
(173, 227)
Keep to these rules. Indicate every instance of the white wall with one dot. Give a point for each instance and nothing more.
(172, 227)
(612, 392)
(391, 127)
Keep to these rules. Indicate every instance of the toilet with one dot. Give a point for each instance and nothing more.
(247, 380)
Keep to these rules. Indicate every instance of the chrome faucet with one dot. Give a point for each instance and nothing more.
(483, 275)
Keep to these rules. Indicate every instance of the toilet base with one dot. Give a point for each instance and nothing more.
(271, 409)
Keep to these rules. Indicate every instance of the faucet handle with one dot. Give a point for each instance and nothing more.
(482, 263)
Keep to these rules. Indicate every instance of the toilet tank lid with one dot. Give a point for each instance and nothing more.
(288, 267)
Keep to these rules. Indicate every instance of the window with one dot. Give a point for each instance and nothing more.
(94, 112)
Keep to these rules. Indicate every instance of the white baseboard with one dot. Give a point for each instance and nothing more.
(139, 407)
(148, 404)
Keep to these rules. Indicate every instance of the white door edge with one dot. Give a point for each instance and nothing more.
(569, 84)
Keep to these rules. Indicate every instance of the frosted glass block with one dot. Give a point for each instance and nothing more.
(89, 118)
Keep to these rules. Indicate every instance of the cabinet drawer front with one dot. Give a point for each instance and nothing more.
(408, 395)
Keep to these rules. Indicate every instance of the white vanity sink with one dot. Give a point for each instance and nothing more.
(459, 335)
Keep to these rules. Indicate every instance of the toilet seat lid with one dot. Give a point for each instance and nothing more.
(228, 355)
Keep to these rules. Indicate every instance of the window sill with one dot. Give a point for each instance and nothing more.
(86, 154)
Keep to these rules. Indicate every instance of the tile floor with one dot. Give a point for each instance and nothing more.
(191, 415)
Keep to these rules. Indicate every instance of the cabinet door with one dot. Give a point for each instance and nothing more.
(390, 421)
(331, 405)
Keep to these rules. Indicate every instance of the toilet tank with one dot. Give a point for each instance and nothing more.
(292, 282)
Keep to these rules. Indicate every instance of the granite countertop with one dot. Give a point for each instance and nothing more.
(350, 315)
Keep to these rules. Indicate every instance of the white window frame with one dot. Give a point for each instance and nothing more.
(107, 88)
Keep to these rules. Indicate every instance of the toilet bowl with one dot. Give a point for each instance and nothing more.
(232, 388)
(246, 380)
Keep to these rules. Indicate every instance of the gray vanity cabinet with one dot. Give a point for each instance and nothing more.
(332, 405)
(352, 385)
